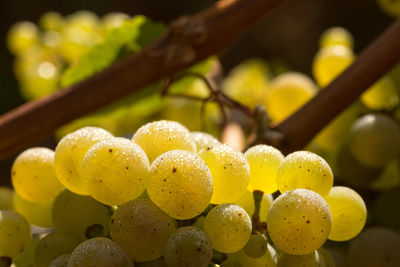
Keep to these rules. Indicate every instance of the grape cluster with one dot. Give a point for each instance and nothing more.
(169, 197)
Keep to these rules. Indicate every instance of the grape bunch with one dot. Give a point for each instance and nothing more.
(171, 197)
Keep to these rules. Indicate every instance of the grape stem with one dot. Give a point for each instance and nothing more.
(258, 226)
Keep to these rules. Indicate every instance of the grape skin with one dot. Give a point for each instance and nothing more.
(60, 261)
(115, 171)
(180, 184)
(141, 229)
(309, 260)
(256, 247)
(303, 169)
(37, 213)
(240, 259)
(6, 198)
(348, 211)
(204, 140)
(230, 172)
(336, 36)
(229, 228)
(299, 221)
(382, 95)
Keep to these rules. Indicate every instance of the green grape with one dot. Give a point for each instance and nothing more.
(308, 260)
(246, 201)
(230, 172)
(256, 247)
(381, 95)
(15, 233)
(114, 171)
(303, 169)
(375, 139)
(199, 223)
(61, 261)
(287, 93)
(263, 161)
(352, 172)
(336, 36)
(376, 246)
(180, 184)
(70, 152)
(299, 221)
(390, 7)
(6, 198)
(99, 252)
(25, 259)
(248, 82)
(229, 228)
(51, 21)
(22, 36)
(51, 246)
(80, 216)
(326, 257)
(113, 20)
(188, 246)
(389, 178)
(38, 213)
(386, 209)
(240, 259)
(348, 211)
(33, 175)
(204, 140)
(161, 136)
(329, 62)
(141, 229)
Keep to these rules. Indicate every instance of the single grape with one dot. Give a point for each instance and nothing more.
(61, 261)
(38, 213)
(188, 246)
(25, 259)
(33, 175)
(141, 229)
(113, 20)
(336, 36)
(204, 140)
(51, 21)
(299, 221)
(376, 246)
(382, 95)
(390, 7)
(230, 172)
(348, 211)
(329, 62)
(114, 171)
(303, 169)
(375, 139)
(53, 245)
(22, 36)
(246, 201)
(15, 233)
(180, 184)
(256, 247)
(287, 93)
(6, 198)
(389, 178)
(240, 259)
(70, 152)
(263, 161)
(161, 136)
(386, 209)
(308, 260)
(99, 252)
(229, 228)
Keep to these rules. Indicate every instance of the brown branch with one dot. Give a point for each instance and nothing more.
(376, 60)
(187, 41)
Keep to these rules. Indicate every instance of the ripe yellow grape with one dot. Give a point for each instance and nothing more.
(287, 93)
(99, 252)
(51, 21)
(246, 201)
(141, 229)
(70, 152)
(229, 228)
(33, 175)
(15, 233)
(204, 140)
(22, 36)
(38, 213)
(263, 161)
(230, 172)
(6, 198)
(303, 169)
(114, 171)
(390, 7)
(309, 260)
(382, 95)
(161, 136)
(348, 211)
(299, 221)
(329, 62)
(336, 36)
(240, 259)
(112, 21)
(180, 183)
